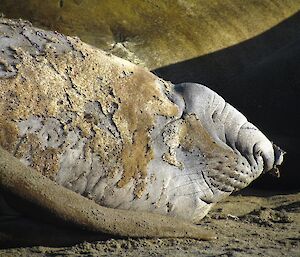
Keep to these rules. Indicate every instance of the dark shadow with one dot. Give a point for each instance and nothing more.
(20, 226)
(24, 231)
(261, 78)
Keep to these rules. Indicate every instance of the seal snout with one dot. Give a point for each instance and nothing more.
(278, 154)
(271, 154)
(278, 159)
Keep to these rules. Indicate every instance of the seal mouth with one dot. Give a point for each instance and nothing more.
(278, 159)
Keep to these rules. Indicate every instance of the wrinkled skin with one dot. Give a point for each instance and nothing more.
(220, 152)
(118, 135)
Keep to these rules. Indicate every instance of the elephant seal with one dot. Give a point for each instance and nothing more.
(116, 133)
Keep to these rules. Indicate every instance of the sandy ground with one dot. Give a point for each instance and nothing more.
(246, 225)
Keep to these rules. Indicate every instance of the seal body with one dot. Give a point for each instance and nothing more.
(116, 133)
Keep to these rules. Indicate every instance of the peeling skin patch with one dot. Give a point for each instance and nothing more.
(193, 135)
(58, 77)
(45, 160)
(171, 138)
(8, 134)
(139, 105)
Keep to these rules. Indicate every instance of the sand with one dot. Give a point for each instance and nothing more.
(246, 225)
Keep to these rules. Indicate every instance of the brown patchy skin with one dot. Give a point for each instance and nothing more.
(194, 135)
(171, 159)
(47, 85)
(8, 135)
(44, 160)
